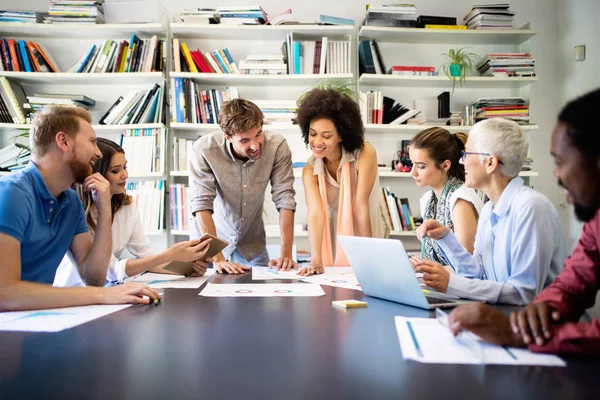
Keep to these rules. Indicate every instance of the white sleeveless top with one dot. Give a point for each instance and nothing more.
(463, 193)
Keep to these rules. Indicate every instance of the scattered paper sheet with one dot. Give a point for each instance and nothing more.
(426, 340)
(265, 273)
(55, 319)
(168, 281)
(342, 277)
(261, 290)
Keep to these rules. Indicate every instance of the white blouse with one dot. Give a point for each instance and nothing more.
(127, 233)
(463, 192)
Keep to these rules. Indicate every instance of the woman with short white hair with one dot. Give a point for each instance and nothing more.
(520, 245)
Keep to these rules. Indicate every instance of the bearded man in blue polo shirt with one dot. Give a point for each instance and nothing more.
(41, 218)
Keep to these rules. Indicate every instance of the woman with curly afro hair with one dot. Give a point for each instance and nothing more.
(340, 179)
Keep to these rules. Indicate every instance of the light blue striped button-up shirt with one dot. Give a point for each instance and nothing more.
(520, 247)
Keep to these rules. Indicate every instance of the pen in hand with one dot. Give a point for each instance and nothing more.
(423, 246)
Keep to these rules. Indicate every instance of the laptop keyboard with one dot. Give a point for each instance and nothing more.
(434, 300)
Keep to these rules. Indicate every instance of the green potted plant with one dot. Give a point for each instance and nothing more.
(457, 63)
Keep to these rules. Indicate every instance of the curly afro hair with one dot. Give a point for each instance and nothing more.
(340, 109)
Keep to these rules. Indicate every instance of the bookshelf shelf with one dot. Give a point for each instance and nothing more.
(70, 78)
(147, 176)
(386, 128)
(404, 233)
(79, 31)
(446, 36)
(253, 32)
(443, 81)
(262, 80)
(97, 128)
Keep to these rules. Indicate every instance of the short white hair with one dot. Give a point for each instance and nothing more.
(503, 139)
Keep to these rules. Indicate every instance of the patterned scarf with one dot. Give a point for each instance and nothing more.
(443, 215)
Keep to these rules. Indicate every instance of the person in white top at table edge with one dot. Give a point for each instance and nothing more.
(127, 231)
(41, 218)
(520, 244)
(435, 154)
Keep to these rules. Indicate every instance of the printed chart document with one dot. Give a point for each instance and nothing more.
(55, 319)
(428, 341)
(167, 281)
(261, 290)
(342, 277)
(265, 273)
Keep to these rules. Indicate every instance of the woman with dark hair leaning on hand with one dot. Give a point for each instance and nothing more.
(340, 179)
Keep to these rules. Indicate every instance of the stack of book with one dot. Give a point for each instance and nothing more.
(369, 58)
(179, 207)
(38, 101)
(507, 64)
(182, 150)
(492, 16)
(12, 98)
(242, 15)
(218, 61)
(190, 104)
(137, 55)
(137, 107)
(512, 108)
(14, 156)
(412, 70)
(331, 20)
(396, 211)
(200, 16)
(21, 56)
(376, 108)
(144, 149)
(281, 112)
(398, 15)
(263, 64)
(438, 22)
(75, 12)
(456, 119)
(28, 17)
(148, 197)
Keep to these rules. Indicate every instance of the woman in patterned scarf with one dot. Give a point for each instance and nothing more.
(435, 154)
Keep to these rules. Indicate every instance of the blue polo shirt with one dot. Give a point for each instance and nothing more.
(45, 226)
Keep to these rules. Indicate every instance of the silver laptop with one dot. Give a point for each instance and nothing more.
(383, 270)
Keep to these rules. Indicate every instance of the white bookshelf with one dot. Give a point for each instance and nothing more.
(304, 80)
(411, 129)
(79, 31)
(447, 36)
(441, 81)
(71, 78)
(253, 32)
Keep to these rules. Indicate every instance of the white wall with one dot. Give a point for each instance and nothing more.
(578, 25)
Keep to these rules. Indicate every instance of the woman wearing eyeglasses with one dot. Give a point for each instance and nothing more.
(435, 154)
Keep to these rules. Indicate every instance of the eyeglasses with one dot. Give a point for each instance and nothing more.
(464, 154)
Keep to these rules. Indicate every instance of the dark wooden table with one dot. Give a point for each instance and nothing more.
(192, 347)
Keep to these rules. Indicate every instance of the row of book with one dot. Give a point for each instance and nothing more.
(218, 61)
(376, 108)
(232, 15)
(144, 149)
(14, 156)
(12, 97)
(137, 55)
(512, 108)
(192, 105)
(38, 101)
(179, 207)
(507, 65)
(370, 60)
(75, 12)
(22, 56)
(149, 198)
(396, 211)
(263, 64)
(391, 15)
(323, 56)
(182, 149)
(412, 70)
(280, 112)
(137, 107)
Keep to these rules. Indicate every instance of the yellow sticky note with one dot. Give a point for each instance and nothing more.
(349, 303)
